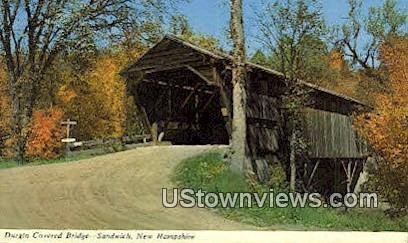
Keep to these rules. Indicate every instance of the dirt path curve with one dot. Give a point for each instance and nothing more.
(115, 191)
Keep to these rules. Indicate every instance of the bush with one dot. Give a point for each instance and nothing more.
(209, 173)
(46, 133)
(386, 127)
(277, 179)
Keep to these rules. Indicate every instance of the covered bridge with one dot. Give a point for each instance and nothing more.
(184, 92)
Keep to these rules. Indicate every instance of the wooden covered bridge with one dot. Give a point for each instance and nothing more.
(185, 92)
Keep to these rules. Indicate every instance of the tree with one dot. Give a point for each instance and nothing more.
(5, 112)
(386, 127)
(104, 99)
(179, 26)
(46, 132)
(239, 127)
(293, 31)
(34, 33)
(96, 97)
(260, 58)
(372, 29)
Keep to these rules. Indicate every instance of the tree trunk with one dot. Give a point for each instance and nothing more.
(19, 123)
(22, 106)
(239, 148)
(292, 162)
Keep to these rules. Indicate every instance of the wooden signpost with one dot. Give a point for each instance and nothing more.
(68, 139)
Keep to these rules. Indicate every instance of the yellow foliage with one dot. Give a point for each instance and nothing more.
(65, 94)
(336, 60)
(387, 126)
(108, 93)
(99, 102)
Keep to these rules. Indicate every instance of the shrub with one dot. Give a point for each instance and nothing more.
(277, 179)
(386, 128)
(209, 173)
(46, 133)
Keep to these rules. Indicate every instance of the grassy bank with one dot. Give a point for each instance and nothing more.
(10, 163)
(209, 173)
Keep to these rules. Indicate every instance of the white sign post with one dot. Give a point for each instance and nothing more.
(68, 140)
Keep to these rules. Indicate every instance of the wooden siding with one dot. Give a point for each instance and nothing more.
(331, 135)
(262, 107)
(263, 139)
(263, 120)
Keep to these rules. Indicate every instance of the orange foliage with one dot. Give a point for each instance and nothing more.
(347, 81)
(5, 114)
(387, 126)
(46, 133)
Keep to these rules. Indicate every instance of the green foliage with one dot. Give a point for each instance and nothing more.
(179, 26)
(10, 163)
(293, 32)
(260, 58)
(371, 29)
(115, 147)
(209, 173)
(277, 180)
(386, 20)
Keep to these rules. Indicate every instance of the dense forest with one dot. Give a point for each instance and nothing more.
(62, 59)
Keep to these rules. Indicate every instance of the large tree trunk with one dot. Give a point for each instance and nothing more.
(239, 141)
(22, 96)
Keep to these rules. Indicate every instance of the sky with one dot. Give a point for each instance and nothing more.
(211, 16)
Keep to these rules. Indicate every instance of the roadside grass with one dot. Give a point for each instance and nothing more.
(10, 163)
(6, 163)
(209, 173)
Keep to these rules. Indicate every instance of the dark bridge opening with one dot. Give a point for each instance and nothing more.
(186, 109)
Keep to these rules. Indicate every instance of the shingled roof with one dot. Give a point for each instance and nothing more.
(226, 57)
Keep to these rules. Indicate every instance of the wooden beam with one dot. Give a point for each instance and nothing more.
(208, 102)
(190, 95)
(161, 83)
(169, 105)
(142, 110)
(225, 101)
(350, 172)
(156, 103)
(200, 75)
(313, 173)
(157, 67)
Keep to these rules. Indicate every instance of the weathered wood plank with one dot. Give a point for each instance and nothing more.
(331, 135)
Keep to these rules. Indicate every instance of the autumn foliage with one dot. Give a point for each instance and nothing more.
(336, 60)
(386, 128)
(5, 113)
(46, 133)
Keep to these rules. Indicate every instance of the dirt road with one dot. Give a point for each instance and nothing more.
(115, 191)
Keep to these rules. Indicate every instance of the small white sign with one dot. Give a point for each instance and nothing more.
(78, 144)
(69, 122)
(68, 140)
